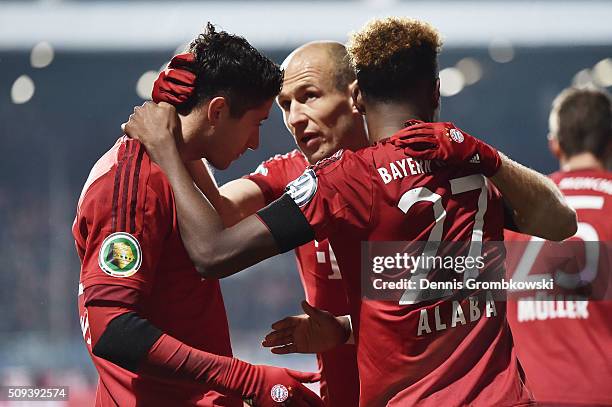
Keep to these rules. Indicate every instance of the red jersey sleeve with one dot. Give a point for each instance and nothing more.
(273, 175)
(336, 192)
(122, 222)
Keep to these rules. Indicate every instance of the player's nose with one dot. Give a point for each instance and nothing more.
(297, 117)
(253, 143)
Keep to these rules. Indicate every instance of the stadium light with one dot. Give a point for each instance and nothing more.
(144, 86)
(501, 51)
(583, 78)
(451, 82)
(470, 69)
(42, 55)
(602, 73)
(22, 90)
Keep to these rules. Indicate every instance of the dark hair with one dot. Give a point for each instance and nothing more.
(395, 56)
(227, 65)
(581, 119)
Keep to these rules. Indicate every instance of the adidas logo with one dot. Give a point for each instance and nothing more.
(475, 159)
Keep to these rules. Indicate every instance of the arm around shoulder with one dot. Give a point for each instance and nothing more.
(539, 207)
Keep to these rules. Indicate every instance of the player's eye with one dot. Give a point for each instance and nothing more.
(310, 96)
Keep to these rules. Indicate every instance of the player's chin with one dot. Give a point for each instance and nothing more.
(316, 156)
(220, 163)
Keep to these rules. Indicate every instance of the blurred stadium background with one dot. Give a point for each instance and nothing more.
(71, 72)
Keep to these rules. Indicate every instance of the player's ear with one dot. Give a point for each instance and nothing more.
(554, 147)
(357, 97)
(218, 108)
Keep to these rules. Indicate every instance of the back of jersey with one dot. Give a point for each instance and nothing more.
(564, 340)
(414, 350)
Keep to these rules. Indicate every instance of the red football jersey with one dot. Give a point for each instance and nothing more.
(322, 281)
(565, 344)
(131, 253)
(431, 353)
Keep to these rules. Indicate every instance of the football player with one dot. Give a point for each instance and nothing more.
(319, 112)
(564, 342)
(156, 332)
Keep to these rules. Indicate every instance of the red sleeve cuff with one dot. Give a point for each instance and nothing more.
(111, 294)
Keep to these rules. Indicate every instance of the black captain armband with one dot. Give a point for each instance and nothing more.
(126, 341)
(287, 223)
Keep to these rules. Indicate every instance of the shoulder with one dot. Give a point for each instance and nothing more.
(344, 159)
(119, 167)
(273, 175)
(336, 172)
(121, 183)
(282, 162)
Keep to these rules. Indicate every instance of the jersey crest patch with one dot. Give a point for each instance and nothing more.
(120, 255)
(303, 188)
(279, 393)
(456, 135)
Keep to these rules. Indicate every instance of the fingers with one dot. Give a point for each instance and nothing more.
(169, 97)
(165, 105)
(278, 338)
(408, 133)
(176, 89)
(285, 349)
(126, 127)
(304, 377)
(420, 126)
(182, 60)
(419, 143)
(173, 85)
(180, 76)
(285, 323)
(134, 127)
(425, 154)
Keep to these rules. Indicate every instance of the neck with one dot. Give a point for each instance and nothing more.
(385, 119)
(582, 161)
(359, 136)
(193, 142)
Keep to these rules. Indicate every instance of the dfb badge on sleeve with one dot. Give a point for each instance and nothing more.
(120, 255)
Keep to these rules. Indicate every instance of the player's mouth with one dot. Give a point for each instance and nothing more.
(310, 140)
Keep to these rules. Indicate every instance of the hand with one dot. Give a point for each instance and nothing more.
(157, 126)
(269, 386)
(175, 84)
(316, 331)
(443, 141)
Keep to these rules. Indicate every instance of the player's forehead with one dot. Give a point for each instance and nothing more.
(307, 68)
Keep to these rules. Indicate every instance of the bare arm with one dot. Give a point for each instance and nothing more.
(217, 252)
(234, 201)
(539, 207)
